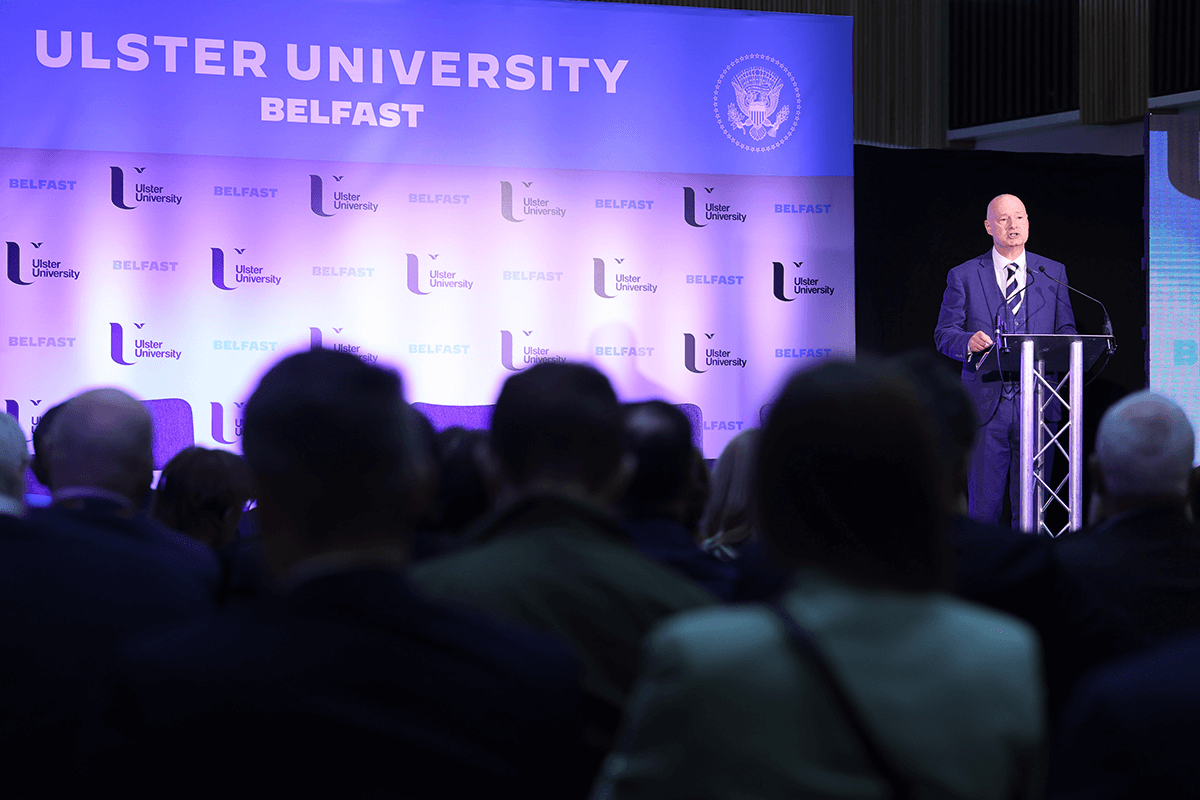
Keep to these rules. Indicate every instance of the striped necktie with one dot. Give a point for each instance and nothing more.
(1012, 294)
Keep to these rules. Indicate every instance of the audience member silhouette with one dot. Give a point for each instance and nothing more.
(99, 455)
(728, 704)
(202, 493)
(553, 555)
(14, 459)
(726, 524)
(1142, 551)
(39, 463)
(348, 684)
(727, 528)
(70, 594)
(1129, 731)
(656, 504)
(464, 490)
(1007, 570)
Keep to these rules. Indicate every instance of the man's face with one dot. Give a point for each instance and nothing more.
(1007, 222)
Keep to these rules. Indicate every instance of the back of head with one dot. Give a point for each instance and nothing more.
(463, 491)
(102, 439)
(951, 410)
(727, 515)
(558, 422)
(848, 478)
(1144, 448)
(14, 458)
(202, 492)
(660, 436)
(329, 442)
(41, 449)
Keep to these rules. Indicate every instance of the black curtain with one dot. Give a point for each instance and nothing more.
(918, 213)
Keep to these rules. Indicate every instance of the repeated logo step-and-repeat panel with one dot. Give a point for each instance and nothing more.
(664, 193)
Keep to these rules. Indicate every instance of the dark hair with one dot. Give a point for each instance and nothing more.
(463, 493)
(558, 419)
(40, 463)
(327, 438)
(847, 478)
(197, 490)
(660, 435)
(956, 423)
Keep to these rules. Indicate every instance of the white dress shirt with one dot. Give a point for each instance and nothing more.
(1001, 264)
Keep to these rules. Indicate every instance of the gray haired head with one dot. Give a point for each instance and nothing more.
(1144, 448)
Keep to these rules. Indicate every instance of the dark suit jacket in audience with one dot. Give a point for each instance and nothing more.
(1020, 575)
(66, 602)
(135, 532)
(1147, 563)
(1130, 730)
(568, 569)
(668, 541)
(347, 686)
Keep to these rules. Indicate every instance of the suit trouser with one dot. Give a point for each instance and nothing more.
(996, 463)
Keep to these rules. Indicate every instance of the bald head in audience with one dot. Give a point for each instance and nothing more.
(102, 439)
(1143, 457)
(14, 458)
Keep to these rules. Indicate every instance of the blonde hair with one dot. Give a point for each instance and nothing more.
(726, 519)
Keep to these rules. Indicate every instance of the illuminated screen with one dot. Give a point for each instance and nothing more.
(1174, 191)
(455, 189)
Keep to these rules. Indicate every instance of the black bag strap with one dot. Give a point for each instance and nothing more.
(901, 786)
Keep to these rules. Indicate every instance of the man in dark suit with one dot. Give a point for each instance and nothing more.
(67, 601)
(1142, 551)
(348, 684)
(1006, 283)
(99, 457)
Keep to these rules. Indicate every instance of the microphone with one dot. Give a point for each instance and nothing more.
(1108, 329)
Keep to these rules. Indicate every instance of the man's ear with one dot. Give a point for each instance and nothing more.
(987, 226)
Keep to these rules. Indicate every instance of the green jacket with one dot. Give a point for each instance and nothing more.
(726, 708)
(567, 569)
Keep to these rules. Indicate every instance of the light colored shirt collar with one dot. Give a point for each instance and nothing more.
(71, 492)
(1001, 265)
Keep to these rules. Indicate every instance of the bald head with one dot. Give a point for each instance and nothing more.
(1144, 448)
(1007, 224)
(14, 458)
(102, 439)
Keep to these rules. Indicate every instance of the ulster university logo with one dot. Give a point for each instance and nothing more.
(142, 192)
(243, 273)
(218, 423)
(39, 267)
(754, 100)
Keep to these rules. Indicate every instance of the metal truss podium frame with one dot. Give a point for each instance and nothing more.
(1037, 358)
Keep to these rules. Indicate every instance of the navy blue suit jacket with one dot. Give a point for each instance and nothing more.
(970, 303)
(136, 533)
(1020, 575)
(1145, 562)
(350, 685)
(1130, 730)
(67, 602)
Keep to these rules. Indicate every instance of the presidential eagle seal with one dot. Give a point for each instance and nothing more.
(755, 99)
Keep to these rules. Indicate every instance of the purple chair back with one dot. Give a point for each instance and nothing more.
(696, 417)
(479, 418)
(473, 418)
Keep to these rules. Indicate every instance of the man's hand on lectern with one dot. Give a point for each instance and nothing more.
(979, 341)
